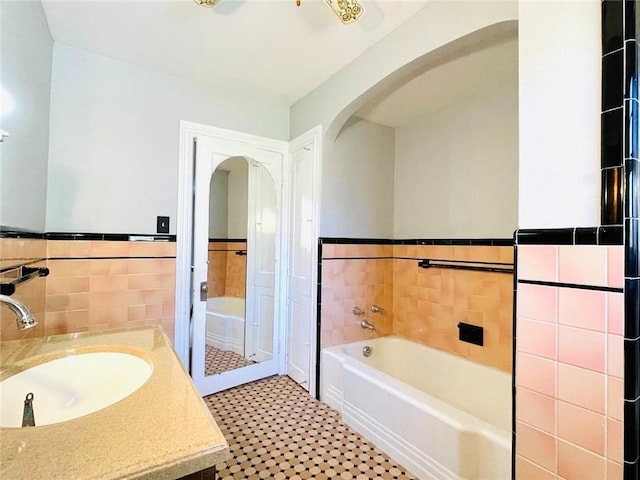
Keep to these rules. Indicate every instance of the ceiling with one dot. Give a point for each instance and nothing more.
(490, 69)
(267, 49)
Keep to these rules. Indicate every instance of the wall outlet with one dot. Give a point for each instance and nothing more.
(163, 225)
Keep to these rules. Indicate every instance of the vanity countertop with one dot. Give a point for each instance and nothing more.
(161, 431)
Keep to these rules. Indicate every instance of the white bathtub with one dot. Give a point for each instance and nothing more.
(225, 323)
(438, 415)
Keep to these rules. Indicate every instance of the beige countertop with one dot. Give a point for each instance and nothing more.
(161, 431)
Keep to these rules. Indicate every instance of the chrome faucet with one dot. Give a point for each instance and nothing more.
(24, 318)
(365, 324)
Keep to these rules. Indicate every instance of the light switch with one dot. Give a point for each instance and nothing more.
(163, 225)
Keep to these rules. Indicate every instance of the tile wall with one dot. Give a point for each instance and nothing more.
(96, 284)
(16, 252)
(423, 305)
(355, 276)
(569, 362)
(429, 303)
(227, 269)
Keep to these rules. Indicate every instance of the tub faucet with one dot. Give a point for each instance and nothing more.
(365, 324)
(24, 319)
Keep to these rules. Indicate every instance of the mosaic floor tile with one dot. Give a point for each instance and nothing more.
(217, 360)
(277, 431)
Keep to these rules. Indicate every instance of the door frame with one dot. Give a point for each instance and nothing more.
(183, 329)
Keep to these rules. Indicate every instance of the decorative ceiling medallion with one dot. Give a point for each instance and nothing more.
(347, 10)
(207, 3)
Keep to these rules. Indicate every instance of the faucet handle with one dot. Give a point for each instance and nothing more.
(357, 311)
(377, 309)
(364, 323)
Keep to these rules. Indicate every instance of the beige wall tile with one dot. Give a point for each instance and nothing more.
(68, 249)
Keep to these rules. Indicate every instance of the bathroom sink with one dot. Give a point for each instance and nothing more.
(71, 387)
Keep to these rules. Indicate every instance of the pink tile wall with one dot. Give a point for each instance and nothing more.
(422, 305)
(86, 291)
(95, 285)
(217, 270)
(227, 271)
(429, 303)
(569, 367)
(361, 283)
(16, 252)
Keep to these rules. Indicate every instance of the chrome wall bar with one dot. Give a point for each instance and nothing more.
(493, 267)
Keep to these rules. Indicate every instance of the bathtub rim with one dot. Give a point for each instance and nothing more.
(210, 310)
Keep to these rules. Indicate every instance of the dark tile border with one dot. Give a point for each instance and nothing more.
(109, 237)
(474, 242)
(545, 236)
(137, 257)
(577, 286)
(11, 232)
(514, 351)
(8, 232)
(620, 192)
(318, 321)
(355, 241)
(606, 235)
(223, 240)
(471, 242)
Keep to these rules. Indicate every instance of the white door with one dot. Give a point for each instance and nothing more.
(265, 168)
(303, 245)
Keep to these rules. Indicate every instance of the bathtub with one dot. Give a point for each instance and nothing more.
(225, 323)
(438, 415)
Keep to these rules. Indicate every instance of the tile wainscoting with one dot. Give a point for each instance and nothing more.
(569, 362)
(93, 285)
(423, 305)
(227, 268)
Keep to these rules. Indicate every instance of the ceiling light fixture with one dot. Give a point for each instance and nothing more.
(348, 11)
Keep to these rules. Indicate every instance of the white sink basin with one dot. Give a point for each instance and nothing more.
(71, 387)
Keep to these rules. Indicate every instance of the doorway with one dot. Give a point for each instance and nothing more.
(260, 336)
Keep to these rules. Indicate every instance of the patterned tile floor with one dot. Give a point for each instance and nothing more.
(217, 360)
(277, 431)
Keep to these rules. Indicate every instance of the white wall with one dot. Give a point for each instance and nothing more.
(559, 97)
(238, 201)
(218, 204)
(423, 40)
(560, 77)
(113, 156)
(26, 51)
(361, 165)
(456, 170)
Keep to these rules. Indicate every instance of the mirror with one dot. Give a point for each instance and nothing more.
(241, 256)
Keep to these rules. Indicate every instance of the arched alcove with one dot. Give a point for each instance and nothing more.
(431, 150)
